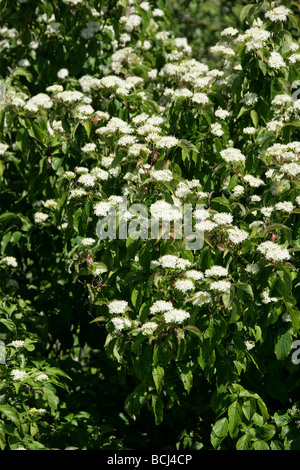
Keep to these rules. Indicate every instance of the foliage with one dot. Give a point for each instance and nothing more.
(115, 338)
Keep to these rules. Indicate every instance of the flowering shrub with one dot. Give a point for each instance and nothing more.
(135, 134)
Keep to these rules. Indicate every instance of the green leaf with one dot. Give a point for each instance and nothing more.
(11, 414)
(136, 296)
(283, 345)
(158, 409)
(234, 418)
(219, 432)
(158, 374)
(193, 329)
(260, 445)
(265, 432)
(135, 401)
(186, 377)
(249, 407)
(254, 117)
(244, 443)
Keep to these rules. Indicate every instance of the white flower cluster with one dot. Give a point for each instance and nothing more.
(273, 252)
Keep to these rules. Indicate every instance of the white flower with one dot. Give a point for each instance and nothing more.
(3, 148)
(131, 22)
(18, 344)
(41, 377)
(249, 130)
(265, 297)
(87, 241)
(87, 180)
(70, 96)
(282, 99)
(101, 174)
(273, 252)
(54, 88)
(121, 323)
(200, 98)
(87, 148)
(238, 190)
(276, 61)
(117, 306)
(172, 261)
(216, 271)
(292, 169)
(255, 198)
(9, 261)
(162, 175)
(41, 100)
(194, 274)
(221, 49)
(278, 14)
(266, 211)
(50, 204)
(216, 129)
(161, 306)
(249, 99)
(285, 206)
(167, 142)
(253, 182)
(40, 217)
(176, 316)
(184, 285)
(223, 218)
(252, 268)
(63, 73)
(232, 155)
(18, 374)
(237, 235)
(229, 31)
(249, 345)
(165, 211)
(77, 192)
(206, 225)
(221, 113)
(220, 286)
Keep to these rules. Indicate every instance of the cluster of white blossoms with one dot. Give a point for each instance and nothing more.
(216, 271)
(41, 100)
(40, 217)
(273, 252)
(120, 323)
(265, 297)
(9, 261)
(220, 286)
(237, 235)
(164, 210)
(176, 315)
(173, 262)
(161, 306)
(233, 155)
(184, 285)
(254, 38)
(276, 61)
(279, 13)
(18, 374)
(117, 306)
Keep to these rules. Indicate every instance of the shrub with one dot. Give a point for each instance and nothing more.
(108, 126)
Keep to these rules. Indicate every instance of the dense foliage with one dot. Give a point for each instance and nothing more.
(116, 115)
